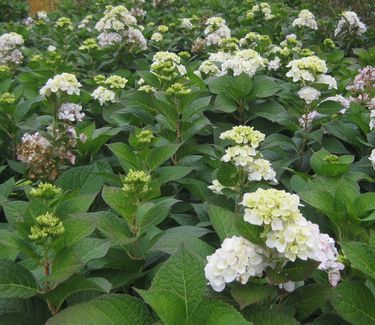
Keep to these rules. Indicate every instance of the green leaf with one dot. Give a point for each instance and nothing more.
(76, 229)
(172, 173)
(76, 284)
(250, 293)
(364, 203)
(83, 178)
(308, 298)
(16, 281)
(177, 288)
(159, 155)
(227, 174)
(153, 213)
(320, 200)
(92, 248)
(65, 264)
(262, 316)
(223, 221)
(117, 200)
(292, 271)
(104, 310)
(125, 155)
(264, 87)
(216, 312)
(362, 257)
(355, 303)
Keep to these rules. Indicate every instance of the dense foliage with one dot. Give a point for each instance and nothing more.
(174, 162)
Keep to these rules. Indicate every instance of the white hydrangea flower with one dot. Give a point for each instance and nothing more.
(240, 156)
(115, 18)
(220, 56)
(216, 30)
(263, 8)
(295, 240)
(309, 94)
(135, 36)
(372, 158)
(208, 68)
(274, 64)
(61, 83)
(71, 112)
(372, 120)
(172, 60)
(327, 80)
(306, 69)
(243, 61)
(109, 39)
(289, 286)
(156, 37)
(305, 19)
(104, 95)
(42, 15)
(51, 48)
(216, 187)
(186, 23)
(271, 207)
(118, 25)
(9, 52)
(243, 135)
(237, 259)
(350, 23)
(261, 169)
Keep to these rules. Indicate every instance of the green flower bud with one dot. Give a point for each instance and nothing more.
(184, 55)
(4, 68)
(329, 43)
(163, 29)
(46, 191)
(178, 90)
(47, 226)
(144, 137)
(332, 159)
(116, 82)
(7, 98)
(136, 183)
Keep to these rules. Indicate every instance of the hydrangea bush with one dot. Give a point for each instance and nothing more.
(173, 162)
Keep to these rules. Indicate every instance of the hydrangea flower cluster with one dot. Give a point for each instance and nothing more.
(118, 25)
(167, 66)
(308, 71)
(71, 112)
(287, 231)
(36, 151)
(349, 25)
(45, 191)
(305, 19)
(245, 156)
(363, 88)
(136, 182)
(237, 259)
(9, 48)
(207, 69)
(216, 30)
(263, 10)
(47, 226)
(61, 83)
(104, 95)
(243, 61)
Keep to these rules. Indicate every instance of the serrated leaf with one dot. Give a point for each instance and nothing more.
(355, 303)
(362, 257)
(250, 293)
(308, 298)
(16, 281)
(107, 309)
